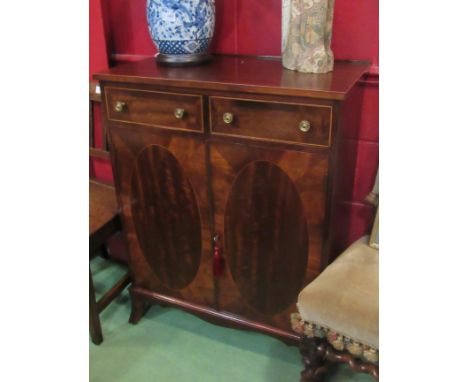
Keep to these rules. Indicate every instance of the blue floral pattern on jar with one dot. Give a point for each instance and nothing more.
(181, 26)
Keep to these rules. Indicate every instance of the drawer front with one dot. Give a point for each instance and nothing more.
(165, 110)
(271, 121)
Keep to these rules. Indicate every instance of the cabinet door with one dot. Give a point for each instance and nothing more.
(161, 182)
(270, 211)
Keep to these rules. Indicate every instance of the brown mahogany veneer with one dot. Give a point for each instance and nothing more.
(155, 108)
(271, 121)
(164, 207)
(244, 74)
(234, 166)
(258, 237)
(270, 206)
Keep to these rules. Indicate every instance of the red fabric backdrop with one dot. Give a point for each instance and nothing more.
(254, 27)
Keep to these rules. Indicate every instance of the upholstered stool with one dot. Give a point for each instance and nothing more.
(339, 314)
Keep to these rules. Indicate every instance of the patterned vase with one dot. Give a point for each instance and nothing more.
(181, 29)
(306, 35)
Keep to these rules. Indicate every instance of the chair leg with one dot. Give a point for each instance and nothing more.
(312, 357)
(354, 363)
(139, 308)
(103, 251)
(94, 322)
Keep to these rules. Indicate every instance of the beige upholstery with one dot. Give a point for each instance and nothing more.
(345, 296)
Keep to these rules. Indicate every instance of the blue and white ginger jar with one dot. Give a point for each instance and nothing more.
(182, 30)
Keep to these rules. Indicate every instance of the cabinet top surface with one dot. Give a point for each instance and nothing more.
(243, 74)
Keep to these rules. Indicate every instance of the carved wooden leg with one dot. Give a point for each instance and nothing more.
(139, 308)
(354, 363)
(94, 323)
(312, 356)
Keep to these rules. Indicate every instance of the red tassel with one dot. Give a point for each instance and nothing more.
(218, 261)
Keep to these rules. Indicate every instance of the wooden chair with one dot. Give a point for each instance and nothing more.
(104, 222)
(338, 315)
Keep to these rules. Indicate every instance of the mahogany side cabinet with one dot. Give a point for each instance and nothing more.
(227, 176)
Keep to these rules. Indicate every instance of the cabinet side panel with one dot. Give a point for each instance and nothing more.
(343, 162)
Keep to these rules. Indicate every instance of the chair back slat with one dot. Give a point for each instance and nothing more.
(91, 124)
(96, 152)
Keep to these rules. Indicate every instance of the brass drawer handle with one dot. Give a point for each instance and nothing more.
(179, 113)
(304, 126)
(228, 118)
(119, 106)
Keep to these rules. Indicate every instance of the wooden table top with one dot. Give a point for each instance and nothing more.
(242, 73)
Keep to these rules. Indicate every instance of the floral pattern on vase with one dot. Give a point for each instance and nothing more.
(181, 27)
(307, 30)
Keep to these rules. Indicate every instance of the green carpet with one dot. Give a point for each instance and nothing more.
(171, 345)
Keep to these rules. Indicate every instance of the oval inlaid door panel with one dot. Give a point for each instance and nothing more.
(166, 217)
(266, 240)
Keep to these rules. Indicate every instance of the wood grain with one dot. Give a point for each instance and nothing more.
(142, 296)
(264, 187)
(271, 121)
(264, 223)
(161, 180)
(155, 108)
(296, 193)
(166, 218)
(249, 75)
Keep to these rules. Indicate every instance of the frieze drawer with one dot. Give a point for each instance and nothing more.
(152, 108)
(272, 121)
